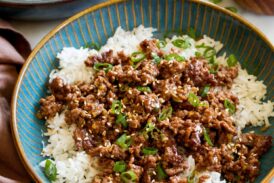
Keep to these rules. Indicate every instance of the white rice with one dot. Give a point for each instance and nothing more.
(76, 166)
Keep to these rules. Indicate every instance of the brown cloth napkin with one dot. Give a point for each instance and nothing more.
(13, 51)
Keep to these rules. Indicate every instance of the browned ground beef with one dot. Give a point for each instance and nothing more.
(176, 136)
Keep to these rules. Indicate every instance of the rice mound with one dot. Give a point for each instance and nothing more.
(77, 166)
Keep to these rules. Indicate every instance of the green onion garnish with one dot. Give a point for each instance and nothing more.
(128, 176)
(119, 166)
(204, 91)
(215, 1)
(207, 138)
(181, 43)
(102, 66)
(156, 58)
(174, 56)
(193, 99)
(149, 127)
(232, 60)
(92, 45)
(166, 113)
(192, 33)
(209, 52)
(149, 151)
(50, 170)
(202, 46)
(198, 54)
(232, 9)
(137, 56)
(161, 44)
(214, 68)
(230, 106)
(121, 119)
(161, 174)
(116, 107)
(143, 89)
(124, 141)
(203, 104)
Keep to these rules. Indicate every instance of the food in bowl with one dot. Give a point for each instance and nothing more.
(141, 109)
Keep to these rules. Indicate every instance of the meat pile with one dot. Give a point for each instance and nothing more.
(142, 117)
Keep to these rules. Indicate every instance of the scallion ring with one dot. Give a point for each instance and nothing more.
(174, 56)
(161, 44)
(149, 127)
(149, 151)
(229, 106)
(204, 91)
(181, 43)
(137, 56)
(143, 88)
(128, 176)
(156, 58)
(124, 141)
(232, 60)
(209, 52)
(102, 66)
(206, 137)
(161, 174)
(119, 166)
(122, 119)
(166, 113)
(50, 170)
(193, 99)
(116, 107)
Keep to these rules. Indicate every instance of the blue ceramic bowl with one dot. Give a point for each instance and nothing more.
(97, 23)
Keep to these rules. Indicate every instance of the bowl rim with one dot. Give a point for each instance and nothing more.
(14, 130)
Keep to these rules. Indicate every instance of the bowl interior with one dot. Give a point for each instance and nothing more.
(98, 23)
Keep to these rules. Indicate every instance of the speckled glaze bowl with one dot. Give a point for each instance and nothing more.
(97, 23)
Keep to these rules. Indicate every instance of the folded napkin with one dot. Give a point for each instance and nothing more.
(13, 51)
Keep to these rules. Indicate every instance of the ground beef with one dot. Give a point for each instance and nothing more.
(141, 114)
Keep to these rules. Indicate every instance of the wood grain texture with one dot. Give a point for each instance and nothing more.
(258, 6)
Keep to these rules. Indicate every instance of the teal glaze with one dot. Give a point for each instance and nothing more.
(254, 53)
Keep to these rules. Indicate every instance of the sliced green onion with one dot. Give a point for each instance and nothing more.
(122, 119)
(213, 60)
(102, 66)
(161, 174)
(124, 141)
(202, 46)
(156, 58)
(203, 104)
(192, 33)
(143, 88)
(181, 43)
(174, 56)
(92, 45)
(119, 166)
(215, 1)
(137, 56)
(166, 113)
(213, 68)
(116, 107)
(149, 127)
(128, 176)
(232, 60)
(149, 151)
(50, 170)
(193, 99)
(191, 177)
(207, 138)
(204, 91)
(230, 106)
(198, 54)
(232, 9)
(161, 44)
(209, 52)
